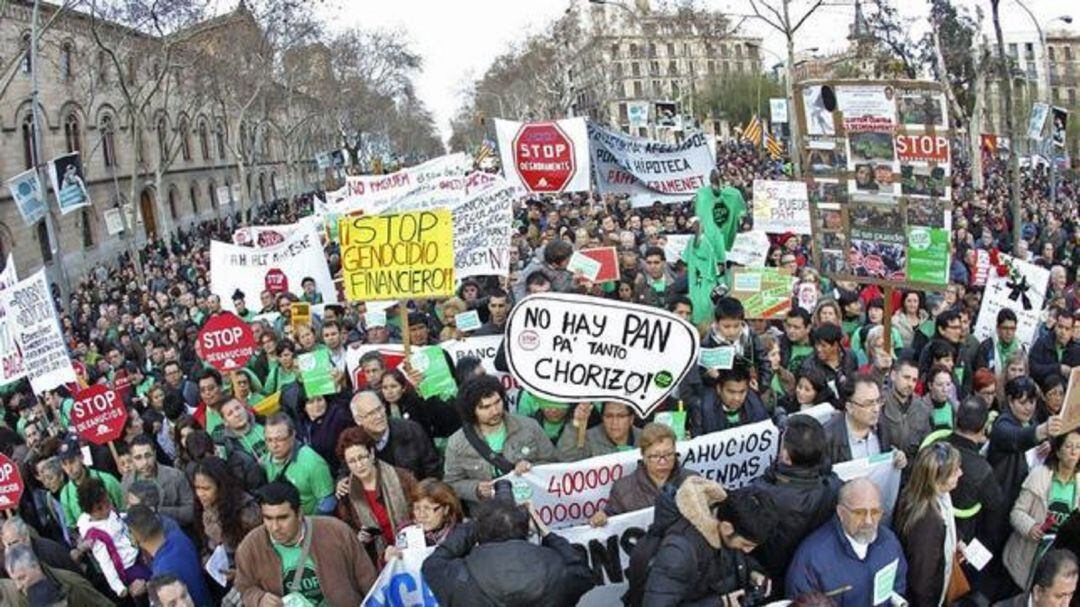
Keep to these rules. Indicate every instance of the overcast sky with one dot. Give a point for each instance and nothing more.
(458, 38)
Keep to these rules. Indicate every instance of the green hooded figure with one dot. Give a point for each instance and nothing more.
(701, 275)
(720, 210)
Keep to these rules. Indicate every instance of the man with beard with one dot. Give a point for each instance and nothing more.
(852, 553)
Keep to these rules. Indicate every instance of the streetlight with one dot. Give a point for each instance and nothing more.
(1066, 19)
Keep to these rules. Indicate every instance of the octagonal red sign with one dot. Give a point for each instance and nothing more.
(226, 342)
(98, 415)
(11, 483)
(276, 281)
(544, 157)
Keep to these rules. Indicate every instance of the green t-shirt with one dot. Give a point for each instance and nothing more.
(254, 441)
(732, 416)
(309, 582)
(799, 353)
(552, 429)
(69, 495)
(496, 440)
(942, 417)
(213, 420)
(308, 472)
(1062, 498)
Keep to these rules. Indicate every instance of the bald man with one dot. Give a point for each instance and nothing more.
(398, 442)
(851, 553)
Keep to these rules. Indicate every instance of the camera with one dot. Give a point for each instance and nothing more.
(504, 491)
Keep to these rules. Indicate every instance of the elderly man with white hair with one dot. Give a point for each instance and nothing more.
(398, 442)
(35, 583)
(16, 532)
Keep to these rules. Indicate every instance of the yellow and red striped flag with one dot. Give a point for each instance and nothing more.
(774, 147)
(752, 132)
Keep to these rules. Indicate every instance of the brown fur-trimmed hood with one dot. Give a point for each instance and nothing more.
(695, 499)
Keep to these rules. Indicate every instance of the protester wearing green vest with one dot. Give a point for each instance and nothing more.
(70, 456)
(298, 464)
(720, 208)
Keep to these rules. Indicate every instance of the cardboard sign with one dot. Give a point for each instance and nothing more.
(922, 148)
(438, 377)
(11, 484)
(764, 292)
(1026, 303)
(750, 249)
(69, 182)
(29, 196)
(584, 265)
(609, 263)
(299, 313)
(315, 372)
(98, 415)
(573, 348)
(404, 256)
(32, 319)
(226, 342)
(1070, 410)
(482, 226)
(781, 207)
(467, 321)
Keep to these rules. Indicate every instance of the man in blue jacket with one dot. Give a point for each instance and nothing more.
(170, 553)
(852, 557)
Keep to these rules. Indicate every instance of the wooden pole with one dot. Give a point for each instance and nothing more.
(403, 310)
(886, 322)
(115, 456)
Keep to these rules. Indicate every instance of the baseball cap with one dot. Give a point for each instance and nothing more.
(69, 449)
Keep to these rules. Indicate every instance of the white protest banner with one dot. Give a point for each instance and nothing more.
(568, 494)
(675, 246)
(781, 207)
(439, 182)
(280, 268)
(878, 468)
(647, 170)
(574, 348)
(608, 549)
(482, 224)
(262, 237)
(114, 221)
(869, 107)
(222, 194)
(68, 182)
(401, 583)
(11, 356)
(1039, 112)
(484, 348)
(29, 197)
(546, 157)
(32, 317)
(1022, 289)
(750, 249)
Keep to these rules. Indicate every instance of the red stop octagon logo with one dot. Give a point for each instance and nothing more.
(544, 157)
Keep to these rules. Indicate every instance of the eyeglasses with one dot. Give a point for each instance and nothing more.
(359, 459)
(874, 404)
(864, 513)
(424, 509)
(373, 414)
(661, 457)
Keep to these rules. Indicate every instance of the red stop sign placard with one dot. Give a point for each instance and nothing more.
(226, 343)
(98, 415)
(276, 281)
(11, 483)
(544, 157)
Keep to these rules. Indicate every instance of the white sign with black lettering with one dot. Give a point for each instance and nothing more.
(574, 348)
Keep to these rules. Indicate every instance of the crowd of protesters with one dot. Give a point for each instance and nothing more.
(308, 501)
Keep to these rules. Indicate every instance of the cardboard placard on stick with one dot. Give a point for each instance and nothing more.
(1070, 409)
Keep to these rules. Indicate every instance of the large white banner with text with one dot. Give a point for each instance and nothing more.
(647, 170)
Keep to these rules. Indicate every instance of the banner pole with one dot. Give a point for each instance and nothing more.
(886, 321)
(403, 310)
(115, 455)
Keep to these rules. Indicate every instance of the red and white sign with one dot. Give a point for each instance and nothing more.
(546, 157)
(609, 263)
(11, 483)
(98, 415)
(226, 342)
(276, 281)
(922, 148)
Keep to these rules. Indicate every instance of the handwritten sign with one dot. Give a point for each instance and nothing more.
(403, 256)
(781, 207)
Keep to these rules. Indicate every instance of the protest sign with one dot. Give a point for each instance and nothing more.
(401, 583)
(98, 414)
(36, 331)
(484, 348)
(467, 321)
(11, 484)
(439, 182)
(675, 245)
(764, 292)
(226, 342)
(299, 313)
(11, 356)
(982, 268)
(68, 182)
(1022, 289)
(781, 207)
(869, 107)
(608, 550)
(315, 372)
(222, 194)
(573, 348)
(750, 249)
(1059, 126)
(403, 256)
(568, 494)
(778, 110)
(1070, 409)
(438, 377)
(879, 469)
(921, 147)
(482, 225)
(649, 171)
(392, 355)
(251, 270)
(608, 260)
(114, 221)
(1039, 112)
(720, 357)
(928, 255)
(584, 265)
(29, 197)
(547, 157)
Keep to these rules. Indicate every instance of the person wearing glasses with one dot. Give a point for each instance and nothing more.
(856, 433)
(1049, 495)
(853, 557)
(616, 433)
(924, 519)
(659, 466)
(398, 442)
(374, 498)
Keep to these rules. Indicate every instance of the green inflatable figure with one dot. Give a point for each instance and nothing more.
(701, 274)
(720, 210)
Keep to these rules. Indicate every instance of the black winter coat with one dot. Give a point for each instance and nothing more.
(410, 448)
(978, 489)
(1009, 441)
(510, 573)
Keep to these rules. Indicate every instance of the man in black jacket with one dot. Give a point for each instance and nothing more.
(707, 539)
(802, 484)
(1055, 352)
(490, 561)
(398, 442)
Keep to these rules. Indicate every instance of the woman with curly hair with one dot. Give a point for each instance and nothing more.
(224, 512)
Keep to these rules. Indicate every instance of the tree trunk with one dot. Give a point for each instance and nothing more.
(1010, 128)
